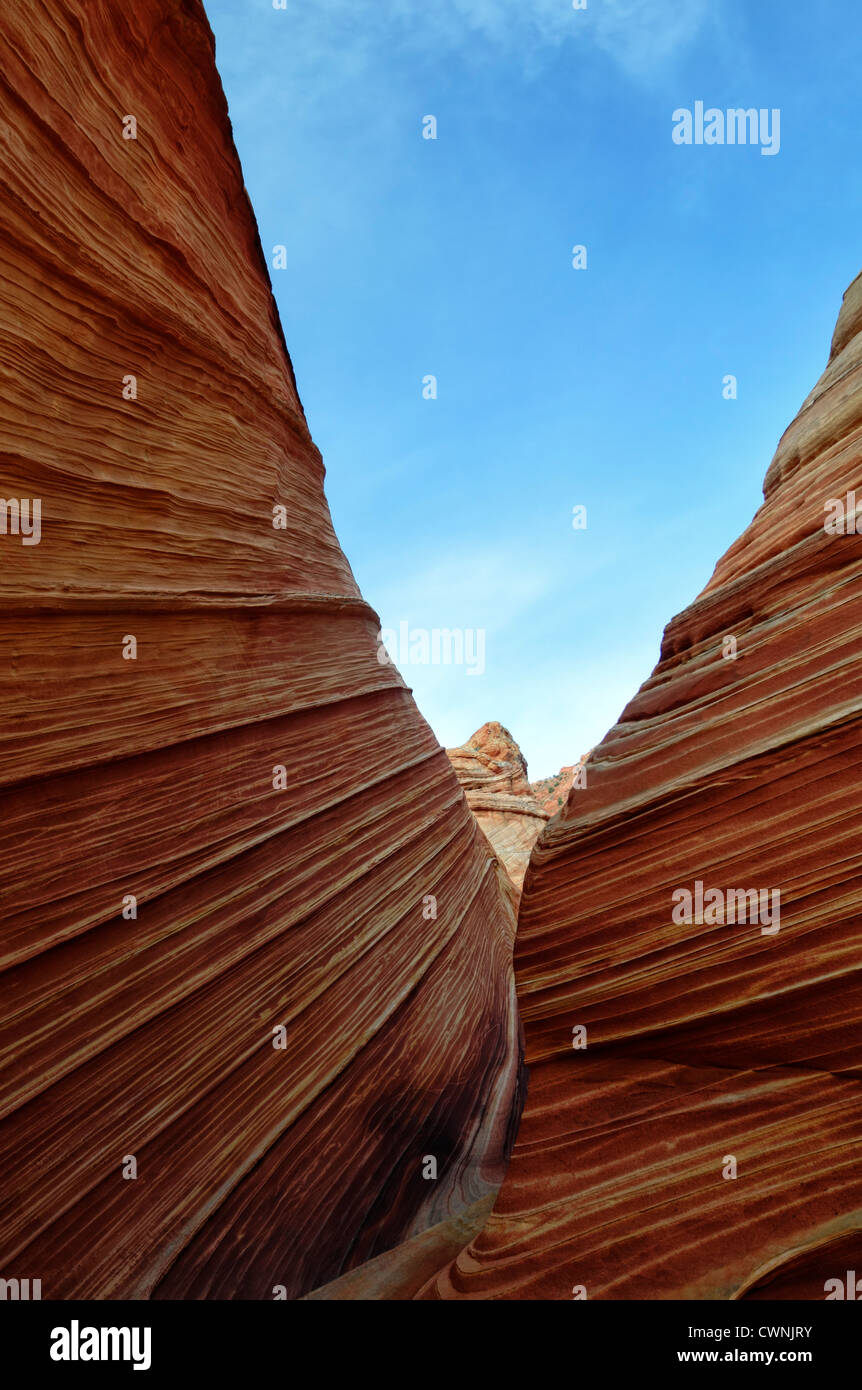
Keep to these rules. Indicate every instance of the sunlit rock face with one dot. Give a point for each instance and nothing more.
(258, 1017)
(552, 793)
(493, 773)
(694, 1114)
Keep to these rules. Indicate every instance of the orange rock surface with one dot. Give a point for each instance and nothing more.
(552, 793)
(235, 830)
(492, 770)
(711, 1045)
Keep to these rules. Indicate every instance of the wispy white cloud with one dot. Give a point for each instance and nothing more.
(478, 586)
(330, 36)
(643, 36)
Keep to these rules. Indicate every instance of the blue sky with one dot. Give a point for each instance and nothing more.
(556, 387)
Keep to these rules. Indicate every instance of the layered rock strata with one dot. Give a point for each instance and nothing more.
(256, 956)
(694, 1118)
(492, 770)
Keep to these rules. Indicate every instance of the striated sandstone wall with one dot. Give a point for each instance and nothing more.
(233, 824)
(711, 1045)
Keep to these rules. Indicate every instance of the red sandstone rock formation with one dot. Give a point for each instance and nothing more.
(236, 823)
(492, 770)
(552, 793)
(736, 766)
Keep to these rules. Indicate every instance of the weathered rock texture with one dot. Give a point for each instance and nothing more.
(552, 793)
(399, 1274)
(493, 773)
(708, 1040)
(263, 900)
